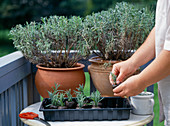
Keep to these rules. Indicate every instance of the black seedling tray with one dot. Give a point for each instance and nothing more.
(112, 108)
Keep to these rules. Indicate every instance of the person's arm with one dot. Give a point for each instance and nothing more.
(157, 70)
(146, 52)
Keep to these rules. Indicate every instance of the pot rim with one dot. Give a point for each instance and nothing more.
(97, 59)
(151, 95)
(77, 67)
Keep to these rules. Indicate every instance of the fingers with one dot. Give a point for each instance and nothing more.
(115, 70)
(120, 91)
(132, 86)
(120, 74)
(121, 94)
(120, 78)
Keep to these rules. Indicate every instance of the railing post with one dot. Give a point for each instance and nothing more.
(13, 106)
(33, 95)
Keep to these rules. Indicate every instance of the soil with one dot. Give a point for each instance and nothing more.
(71, 105)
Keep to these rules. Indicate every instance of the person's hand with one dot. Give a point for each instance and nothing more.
(131, 87)
(122, 70)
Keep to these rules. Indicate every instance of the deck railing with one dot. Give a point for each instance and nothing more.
(17, 88)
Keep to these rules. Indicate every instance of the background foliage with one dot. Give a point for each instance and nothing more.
(14, 12)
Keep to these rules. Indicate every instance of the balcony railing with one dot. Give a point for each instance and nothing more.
(17, 88)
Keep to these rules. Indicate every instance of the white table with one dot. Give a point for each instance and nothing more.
(134, 120)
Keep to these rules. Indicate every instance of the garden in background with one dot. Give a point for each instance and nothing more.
(14, 12)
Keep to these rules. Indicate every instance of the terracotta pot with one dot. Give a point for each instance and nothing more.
(68, 78)
(100, 75)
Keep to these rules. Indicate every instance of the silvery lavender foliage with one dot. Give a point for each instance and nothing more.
(50, 42)
(117, 32)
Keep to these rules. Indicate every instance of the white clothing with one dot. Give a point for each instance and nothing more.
(162, 41)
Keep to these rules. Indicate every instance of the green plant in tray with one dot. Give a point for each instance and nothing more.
(69, 96)
(80, 98)
(55, 91)
(80, 89)
(61, 99)
(96, 98)
(55, 100)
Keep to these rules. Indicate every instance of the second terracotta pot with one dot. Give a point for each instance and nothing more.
(100, 75)
(68, 78)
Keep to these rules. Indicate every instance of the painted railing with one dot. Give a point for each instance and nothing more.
(17, 88)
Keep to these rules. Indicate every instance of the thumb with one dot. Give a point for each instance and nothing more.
(118, 89)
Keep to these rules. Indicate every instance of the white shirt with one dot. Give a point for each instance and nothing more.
(162, 41)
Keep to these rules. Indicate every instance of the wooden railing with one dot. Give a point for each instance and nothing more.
(17, 88)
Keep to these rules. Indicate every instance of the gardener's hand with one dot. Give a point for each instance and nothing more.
(122, 70)
(131, 87)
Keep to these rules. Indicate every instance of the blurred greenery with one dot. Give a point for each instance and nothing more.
(87, 84)
(14, 12)
(6, 45)
(156, 107)
(4, 38)
(6, 49)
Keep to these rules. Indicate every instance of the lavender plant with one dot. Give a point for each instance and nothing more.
(80, 98)
(96, 98)
(61, 99)
(69, 96)
(113, 77)
(80, 89)
(50, 42)
(55, 100)
(55, 91)
(116, 33)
